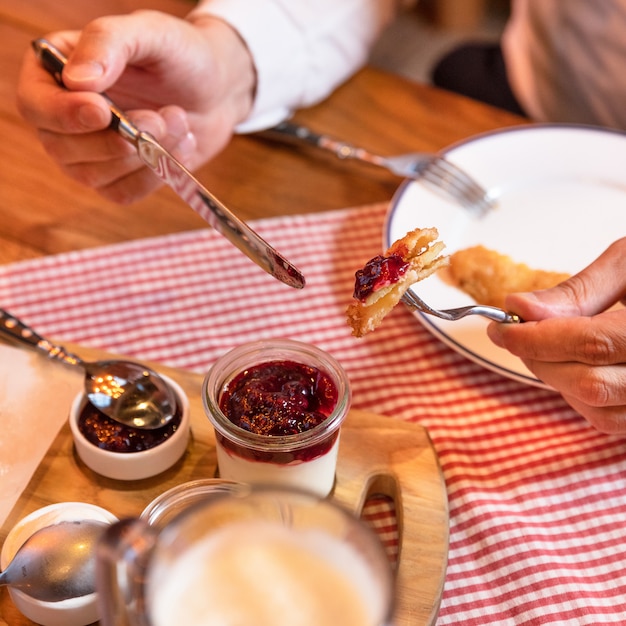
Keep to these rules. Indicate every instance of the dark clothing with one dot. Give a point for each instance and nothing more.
(477, 71)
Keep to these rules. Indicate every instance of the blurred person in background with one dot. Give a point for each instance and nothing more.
(556, 62)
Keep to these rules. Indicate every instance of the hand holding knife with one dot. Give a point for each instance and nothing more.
(172, 172)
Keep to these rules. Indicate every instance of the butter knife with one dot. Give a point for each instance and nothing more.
(180, 179)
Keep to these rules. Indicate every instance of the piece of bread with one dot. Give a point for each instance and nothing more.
(382, 282)
(488, 276)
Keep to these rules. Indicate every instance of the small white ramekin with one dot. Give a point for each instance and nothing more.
(75, 611)
(132, 465)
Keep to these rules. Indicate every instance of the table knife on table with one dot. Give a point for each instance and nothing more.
(172, 172)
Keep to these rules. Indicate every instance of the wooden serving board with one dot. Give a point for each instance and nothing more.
(378, 455)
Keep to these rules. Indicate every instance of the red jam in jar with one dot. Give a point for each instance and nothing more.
(377, 273)
(279, 398)
(110, 435)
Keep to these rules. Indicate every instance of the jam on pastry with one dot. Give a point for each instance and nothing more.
(382, 282)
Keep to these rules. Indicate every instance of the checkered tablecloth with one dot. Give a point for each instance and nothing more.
(537, 497)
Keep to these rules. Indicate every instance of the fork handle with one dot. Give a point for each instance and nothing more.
(288, 132)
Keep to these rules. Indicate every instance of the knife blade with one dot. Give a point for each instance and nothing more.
(184, 184)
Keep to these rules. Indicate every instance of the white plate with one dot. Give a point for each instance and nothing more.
(561, 200)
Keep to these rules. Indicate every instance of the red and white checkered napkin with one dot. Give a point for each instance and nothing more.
(537, 497)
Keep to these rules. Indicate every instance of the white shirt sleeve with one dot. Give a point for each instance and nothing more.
(302, 50)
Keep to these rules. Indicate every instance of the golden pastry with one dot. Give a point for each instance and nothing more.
(382, 282)
(488, 276)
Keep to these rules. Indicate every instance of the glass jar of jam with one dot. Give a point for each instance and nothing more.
(277, 407)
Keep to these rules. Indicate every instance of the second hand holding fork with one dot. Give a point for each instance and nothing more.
(430, 167)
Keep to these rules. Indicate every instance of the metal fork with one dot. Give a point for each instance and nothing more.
(415, 303)
(433, 169)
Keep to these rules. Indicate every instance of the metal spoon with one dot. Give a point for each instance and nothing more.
(127, 392)
(57, 562)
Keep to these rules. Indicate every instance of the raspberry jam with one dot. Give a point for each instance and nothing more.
(110, 435)
(279, 398)
(377, 273)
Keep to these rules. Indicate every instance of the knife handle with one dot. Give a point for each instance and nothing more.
(53, 61)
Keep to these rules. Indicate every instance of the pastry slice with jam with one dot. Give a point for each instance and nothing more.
(382, 282)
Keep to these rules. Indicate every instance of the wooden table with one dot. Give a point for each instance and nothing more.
(42, 212)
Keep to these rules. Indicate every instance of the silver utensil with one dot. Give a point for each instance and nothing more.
(415, 303)
(57, 562)
(125, 391)
(433, 169)
(173, 173)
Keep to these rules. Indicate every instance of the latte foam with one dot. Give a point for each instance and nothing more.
(261, 574)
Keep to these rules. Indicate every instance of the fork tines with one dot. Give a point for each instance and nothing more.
(447, 177)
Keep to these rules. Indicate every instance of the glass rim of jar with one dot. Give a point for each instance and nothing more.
(231, 363)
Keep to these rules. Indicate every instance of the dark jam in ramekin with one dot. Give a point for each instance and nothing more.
(278, 399)
(110, 435)
(378, 273)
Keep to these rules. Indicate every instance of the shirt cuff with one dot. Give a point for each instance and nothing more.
(277, 50)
